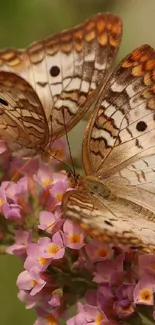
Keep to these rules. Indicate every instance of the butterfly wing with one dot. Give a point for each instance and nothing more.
(66, 69)
(136, 183)
(116, 222)
(22, 119)
(121, 130)
(119, 147)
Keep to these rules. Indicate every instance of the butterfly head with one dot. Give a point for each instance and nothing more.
(73, 179)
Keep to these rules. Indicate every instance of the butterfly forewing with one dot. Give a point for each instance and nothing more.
(22, 119)
(122, 127)
(66, 68)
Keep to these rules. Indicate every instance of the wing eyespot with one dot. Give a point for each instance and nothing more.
(54, 71)
(141, 126)
(3, 102)
(108, 223)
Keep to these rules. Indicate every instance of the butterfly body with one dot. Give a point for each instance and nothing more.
(94, 186)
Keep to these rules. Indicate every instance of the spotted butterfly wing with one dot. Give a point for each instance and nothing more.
(115, 202)
(66, 69)
(22, 119)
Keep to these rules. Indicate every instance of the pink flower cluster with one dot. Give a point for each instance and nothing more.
(63, 265)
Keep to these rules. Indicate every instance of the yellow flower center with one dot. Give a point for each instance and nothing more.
(102, 252)
(42, 260)
(127, 309)
(59, 154)
(153, 266)
(53, 249)
(59, 197)
(51, 226)
(34, 283)
(146, 295)
(51, 320)
(1, 202)
(99, 319)
(75, 239)
(47, 182)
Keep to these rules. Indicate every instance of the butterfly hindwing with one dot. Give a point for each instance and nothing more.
(22, 119)
(112, 220)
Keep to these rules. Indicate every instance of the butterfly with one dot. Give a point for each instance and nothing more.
(115, 201)
(47, 88)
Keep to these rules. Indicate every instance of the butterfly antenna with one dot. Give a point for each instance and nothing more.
(69, 148)
(62, 162)
(20, 169)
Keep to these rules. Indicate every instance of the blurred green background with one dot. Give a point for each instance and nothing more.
(24, 21)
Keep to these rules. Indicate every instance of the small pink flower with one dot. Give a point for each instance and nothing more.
(98, 252)
(73, 235)
(146, 265)
(124, 308)
(110, 271)
(104, 294)
(30, 301)
(144, 291)
(14, 190)
(46, 178)
(46, 318)
(106, 299)
(22, 186)
(125, 291)
(17, 164)
(57, 191)
(60, 148)
(3, 199)
(10, 189)
(88, 314)
(53, 249)
(22, 238)
(55, 301)
(50, 222)
(30, 281)
(35, 257)
(12, 211)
